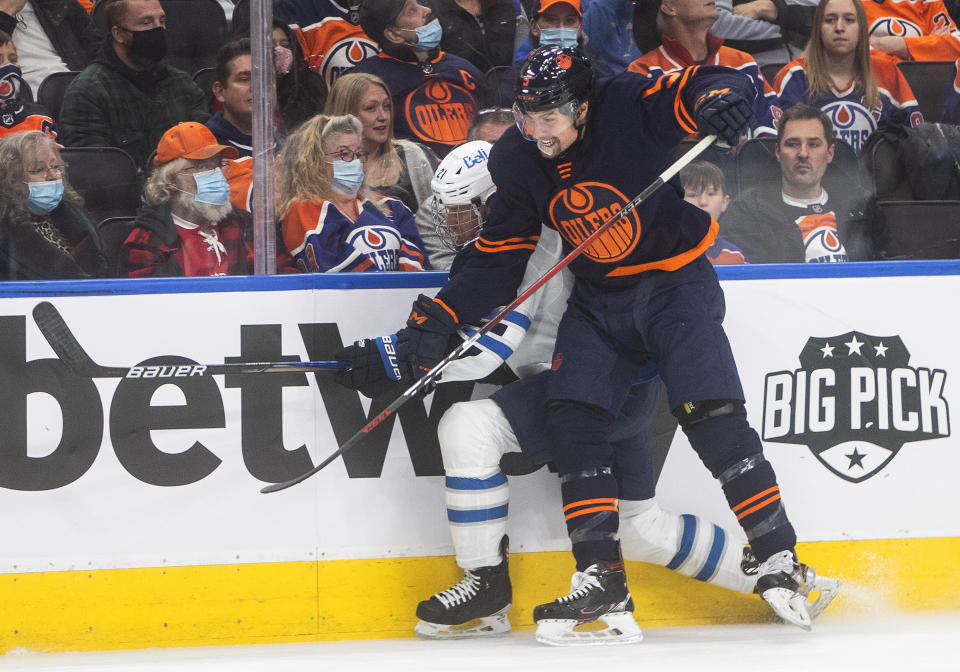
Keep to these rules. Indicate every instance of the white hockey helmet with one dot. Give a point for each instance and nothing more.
(461, 186)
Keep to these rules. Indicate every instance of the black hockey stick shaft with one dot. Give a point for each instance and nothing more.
(68, 349)
(434, 373)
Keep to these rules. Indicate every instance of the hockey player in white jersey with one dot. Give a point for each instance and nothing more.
(475, 435)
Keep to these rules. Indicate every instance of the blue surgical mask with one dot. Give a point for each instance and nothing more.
(212, 187)
(558, 37)
(44, 196)
(348, 176)
(428, 36)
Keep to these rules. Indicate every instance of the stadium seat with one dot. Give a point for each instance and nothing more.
(106, 177)
(930, 82)
(113, 232)
(204, 78)
(493, 76)
(921, 229)
(757, 163)
(770, 70)
(51, 91)
(888, 177)
(195, 31)
(722, 159)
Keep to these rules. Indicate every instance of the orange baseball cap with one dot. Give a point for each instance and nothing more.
(190, 140)
(544, 5)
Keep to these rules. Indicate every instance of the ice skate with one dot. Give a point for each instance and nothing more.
(599, 593)
(786, 584)
(475, 607)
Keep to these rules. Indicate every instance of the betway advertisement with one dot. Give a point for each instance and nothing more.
(147, 459)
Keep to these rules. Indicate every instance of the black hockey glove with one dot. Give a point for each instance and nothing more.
(425, 340)
(726, 114)
(375, 367)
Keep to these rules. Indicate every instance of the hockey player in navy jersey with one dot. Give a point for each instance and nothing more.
(643, 291)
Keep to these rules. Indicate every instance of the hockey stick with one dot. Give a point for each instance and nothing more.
(71, 353)
(434, 373)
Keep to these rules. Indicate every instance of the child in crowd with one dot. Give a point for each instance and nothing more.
(703, 185)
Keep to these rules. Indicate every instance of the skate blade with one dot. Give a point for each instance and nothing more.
(496, 625)
(621, 629)
(828, 589)
(788, 605)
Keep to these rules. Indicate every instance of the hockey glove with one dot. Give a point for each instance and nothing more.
(374, 366)
(726, 114)
(425, 340)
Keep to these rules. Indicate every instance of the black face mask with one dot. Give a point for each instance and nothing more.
(150, 45)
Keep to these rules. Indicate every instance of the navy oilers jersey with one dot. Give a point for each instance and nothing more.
(631, 136)
(433, 101)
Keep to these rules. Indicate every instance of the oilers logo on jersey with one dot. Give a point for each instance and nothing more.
(820, 241)
(344, 55)
(440, 112)
(377, 243)
(851, 121)
(578, 211)
(895, 27)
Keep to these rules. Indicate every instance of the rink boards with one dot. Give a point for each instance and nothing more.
(132, 510)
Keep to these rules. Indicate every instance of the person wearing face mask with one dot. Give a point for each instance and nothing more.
(16, 114)
(330, 221)
(686, 40)
(435, 94)
(128, 97)
(45, 234)
(188, 226)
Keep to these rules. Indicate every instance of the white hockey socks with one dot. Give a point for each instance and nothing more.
(684, 543)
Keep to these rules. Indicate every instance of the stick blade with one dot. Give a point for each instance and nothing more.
(58, 335)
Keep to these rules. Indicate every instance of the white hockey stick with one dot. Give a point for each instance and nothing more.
(434, 373)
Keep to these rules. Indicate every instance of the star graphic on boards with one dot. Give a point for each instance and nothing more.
(881, 349)
(854, 345)
(856, 459)
(827, 350)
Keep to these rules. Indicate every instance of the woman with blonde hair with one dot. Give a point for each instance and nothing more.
(857, 88)
(399, 169)
(45, 234)
(330, 220)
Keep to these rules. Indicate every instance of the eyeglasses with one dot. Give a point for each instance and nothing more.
(42, 172)
(349, 154)
(205, 166)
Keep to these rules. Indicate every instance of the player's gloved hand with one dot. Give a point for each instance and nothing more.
(727, 115)
(424, 341)
(375, 367)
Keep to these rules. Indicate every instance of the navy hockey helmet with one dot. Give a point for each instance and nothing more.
(552, 76)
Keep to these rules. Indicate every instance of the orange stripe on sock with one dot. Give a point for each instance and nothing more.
(591, 510)
(758, 506)
(749, 501)
(584, 502)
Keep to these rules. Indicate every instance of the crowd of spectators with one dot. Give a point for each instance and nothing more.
(371, 94)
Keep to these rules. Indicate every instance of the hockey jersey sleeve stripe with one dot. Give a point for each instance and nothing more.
(683, 116)
(496, 346)
(671, 263)
(458, 483)
(518, 319)
(686, 541)
(507, 241)
(448, 309)
(507, 248)
(709, 568)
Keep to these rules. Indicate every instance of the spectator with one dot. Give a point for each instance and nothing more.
(45, 234)
(129, 97)
(795, 219)
(301, 92)
(481, 31)
(608, 25)
(686, 40)
(17, 115)
(489, 124)
(703, 186)
(330, 221)
(837, 72)
(912, 30)
(53, 35)
(188, 226)
(233, 124)
(435, 94)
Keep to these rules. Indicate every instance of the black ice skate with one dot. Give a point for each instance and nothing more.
(787, 584)
(483, 593)
(599, 593)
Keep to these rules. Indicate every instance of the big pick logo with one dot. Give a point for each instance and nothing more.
(855, 401)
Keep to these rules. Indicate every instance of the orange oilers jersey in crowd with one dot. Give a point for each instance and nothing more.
(925, 25)
(239, 176)
(951, 108)
(433, 101)
(852, 121)
(29, 117)
(631, 136)
(672, 56)
(321, 239)
(333, 46)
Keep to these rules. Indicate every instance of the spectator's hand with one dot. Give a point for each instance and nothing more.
(726, 114)
(895, 46)
(762, 10)
(423, 343)
(374, 366)
(12, 7)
